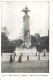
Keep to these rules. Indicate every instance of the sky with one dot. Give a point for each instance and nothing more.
(12, 18)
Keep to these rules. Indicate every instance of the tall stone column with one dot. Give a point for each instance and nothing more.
(26, 28)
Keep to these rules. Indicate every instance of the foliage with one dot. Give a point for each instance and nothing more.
(40, 43)
(37, 35)
(4, 42)
(18, 42)
(9, 46)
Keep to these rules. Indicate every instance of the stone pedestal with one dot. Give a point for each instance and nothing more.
(25, 53)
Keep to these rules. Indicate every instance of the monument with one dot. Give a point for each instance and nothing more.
(26, 28)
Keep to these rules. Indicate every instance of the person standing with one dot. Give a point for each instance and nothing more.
(28, 58)
(20, 59)
(11, 60)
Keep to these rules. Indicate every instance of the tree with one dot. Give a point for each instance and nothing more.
(17, 42)
(37, 35)
(4, 42)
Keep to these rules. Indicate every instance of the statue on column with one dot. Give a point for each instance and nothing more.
(26, 28)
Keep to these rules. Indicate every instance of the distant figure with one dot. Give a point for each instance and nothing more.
(11, 60)
(44, 54)
(28, 58)
(14, 56)
(22, 54)
(15, 53)
(38, 56)
(36, 53)
(20, 59)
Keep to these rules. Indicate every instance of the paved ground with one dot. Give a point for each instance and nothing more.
(40, 66)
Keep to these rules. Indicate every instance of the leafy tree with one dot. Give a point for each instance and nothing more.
(19, 42)
(37, 35)
(4, 42)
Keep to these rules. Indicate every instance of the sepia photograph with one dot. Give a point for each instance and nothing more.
(25, 36)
